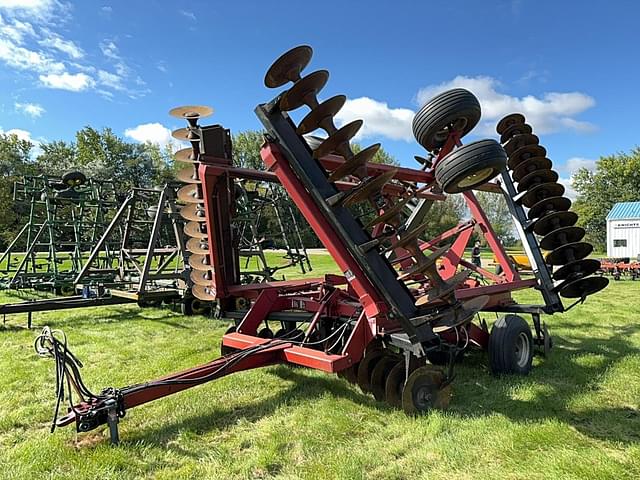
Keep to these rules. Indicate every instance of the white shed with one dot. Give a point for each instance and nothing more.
(623, 231)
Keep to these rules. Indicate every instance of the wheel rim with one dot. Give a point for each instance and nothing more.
(476, 178)
(459, 124)
(522, 350)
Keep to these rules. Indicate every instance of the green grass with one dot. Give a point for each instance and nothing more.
(575, 416)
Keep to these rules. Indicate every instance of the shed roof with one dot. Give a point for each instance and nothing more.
(624, 210)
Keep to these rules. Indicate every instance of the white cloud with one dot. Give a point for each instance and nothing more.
(110, 49)
(110, 80)
(151, 133)
(32, 109)
(16, 30)
(379, 119)
(188, 14)
(40, 10)
(550, 112)
(66, 81)
(106, 9)
(575, 163)
(18, 132)
(56, 42)
(24, 59)
(569, 191)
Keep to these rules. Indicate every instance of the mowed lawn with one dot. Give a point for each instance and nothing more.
(575, 416)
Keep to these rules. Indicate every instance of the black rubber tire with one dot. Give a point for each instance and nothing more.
(74, 178)
(186, 306)
(379, 375)
(265, 332)
(506, 353)
(485, 158)
(442, 110)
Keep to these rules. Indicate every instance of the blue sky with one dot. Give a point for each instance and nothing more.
(571, 67)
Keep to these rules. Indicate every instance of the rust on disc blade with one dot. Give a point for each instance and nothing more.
(525, 153)
(427, 263)
(195, 230)
(515, 129)
(191, 111)
(288, 66)
(206, 294)
(536, 177)
(190, 194)
(197, 246)
(449, 287)
(578, 268)
(531, 165)
(389, 212)
(369, 188)
(186, 155)
(553, 221)
(583, 287)
(509, 120)
(186, 134)
(303, 90)
(357, 161)
(548, 205)
(560, 236)
(327, 109)
(462, 313)
(193, 212)
(540, 192)
(520, 141)
(343, 135)
(569, 253)
(200, 262)
(188, 175)
(200, 277)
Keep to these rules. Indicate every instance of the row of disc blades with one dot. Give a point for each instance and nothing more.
(387, 225)
(549, 215)
(191, 199)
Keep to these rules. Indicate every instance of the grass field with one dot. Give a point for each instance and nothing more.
(575, 416)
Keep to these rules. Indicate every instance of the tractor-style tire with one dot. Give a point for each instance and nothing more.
(470, 166)
(74, 178)
(510, 346)
(457, 107)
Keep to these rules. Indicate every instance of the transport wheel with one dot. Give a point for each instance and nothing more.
(367, 364)
(379, 376)
(198, 307)
(266, 332)
(394, 385)
(510, 346)
(73, 179)
(458, 108)
(470, 166)
(67, 290)
(186, 305)
(224, 350)
(423, 391)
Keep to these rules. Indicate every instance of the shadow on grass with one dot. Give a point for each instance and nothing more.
(555, 385)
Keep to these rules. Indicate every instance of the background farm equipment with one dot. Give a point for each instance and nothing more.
(404, 309)
(620, 268)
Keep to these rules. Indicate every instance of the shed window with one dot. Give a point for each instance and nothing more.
(620, 243)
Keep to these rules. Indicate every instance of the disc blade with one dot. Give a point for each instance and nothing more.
(200, 277)
(356, 162)
(304, 91)
(513, 130)
(188, 175)
(206, 294)
(186, 155)
(569, 253)
(540, 192)
(549, 205)
(197, 246)
(560, 236)
(341, 136)
(520, 141)
(389, 213)
(545, 225)
(425, 264)
(535, 178)
(190, 193)
(186, 134)
(191, 111)
(195, 230)
(445, 290)
(508, 121)
(525, 153)
(409, 236)
(320, 114)
(461, 314)
(200, 262)
(369, 188)
(193, 213)
(288, 66)
(530, 165)
(583, 287)
(579, 268)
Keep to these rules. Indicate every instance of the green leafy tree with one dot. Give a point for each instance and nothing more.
(615, 179)
(496, 209)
